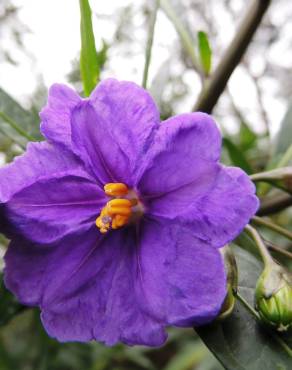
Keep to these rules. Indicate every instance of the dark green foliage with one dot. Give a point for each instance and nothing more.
(239, 342)
(9, 306)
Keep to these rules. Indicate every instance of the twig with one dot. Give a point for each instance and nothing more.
(274, 204)
(216, 85)
(263, 222)
(150, 43)
(274, 248)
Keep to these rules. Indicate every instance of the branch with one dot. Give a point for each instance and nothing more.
(217, 83)
(274, 204)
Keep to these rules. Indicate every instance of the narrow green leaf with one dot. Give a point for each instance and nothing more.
(205, 52)
(89, 66)
(148, 50)
(17, 123)
(247, 138)
(15, 126)
(237, 157)
(240, 342)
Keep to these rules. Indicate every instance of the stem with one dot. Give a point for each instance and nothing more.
(276, 174)
(150, 43)
(280, 341)
(267, 259)
(277, 249)
(217, 83)
(16, 127)
(262, 222)
(274, 204)
(186, 39)
(247, 306)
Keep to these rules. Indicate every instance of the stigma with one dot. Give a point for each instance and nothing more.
(120, 209)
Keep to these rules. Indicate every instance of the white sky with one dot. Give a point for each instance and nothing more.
(55, 42)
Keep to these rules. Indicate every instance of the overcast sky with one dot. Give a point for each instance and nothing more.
(55, 42)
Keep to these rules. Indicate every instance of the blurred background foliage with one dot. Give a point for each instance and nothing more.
(251, 113)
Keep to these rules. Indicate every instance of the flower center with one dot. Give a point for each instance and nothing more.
(120, 210)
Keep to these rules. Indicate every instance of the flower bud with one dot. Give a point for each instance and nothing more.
(274, 297)
(232, 280)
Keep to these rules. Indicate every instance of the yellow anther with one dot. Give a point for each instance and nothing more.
(117, 189)
(119, 203)
(119, 221)
(117, 212)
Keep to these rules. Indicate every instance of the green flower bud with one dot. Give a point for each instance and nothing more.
(274, 297)
(232, 280)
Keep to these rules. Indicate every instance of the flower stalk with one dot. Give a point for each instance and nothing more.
(280, 230)
(232, 282)
(266, 257)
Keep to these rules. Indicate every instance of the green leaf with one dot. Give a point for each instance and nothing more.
(205, 52)
(237, 157)
(16, 123)
(240, 342)
(89, 65)
(9, 307)
(247, 138)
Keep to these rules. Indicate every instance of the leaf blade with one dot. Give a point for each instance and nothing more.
(237, 157)
(89, 66)
(205, 52)
(239, 343)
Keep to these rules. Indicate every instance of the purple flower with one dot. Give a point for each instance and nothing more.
(116, 219)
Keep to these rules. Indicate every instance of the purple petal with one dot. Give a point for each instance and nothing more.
(112, 289)
(98, 301)
(85, 285)
(39, 161)
(184, 152)
(54, 206)
(45, 193)
(112, 131)
(183, 278)
(32, 269)
(56, 115)
(220, 215)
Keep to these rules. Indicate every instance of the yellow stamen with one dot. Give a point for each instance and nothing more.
(119, 221)
(117, 189)
(119, 203)
(117, 212)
